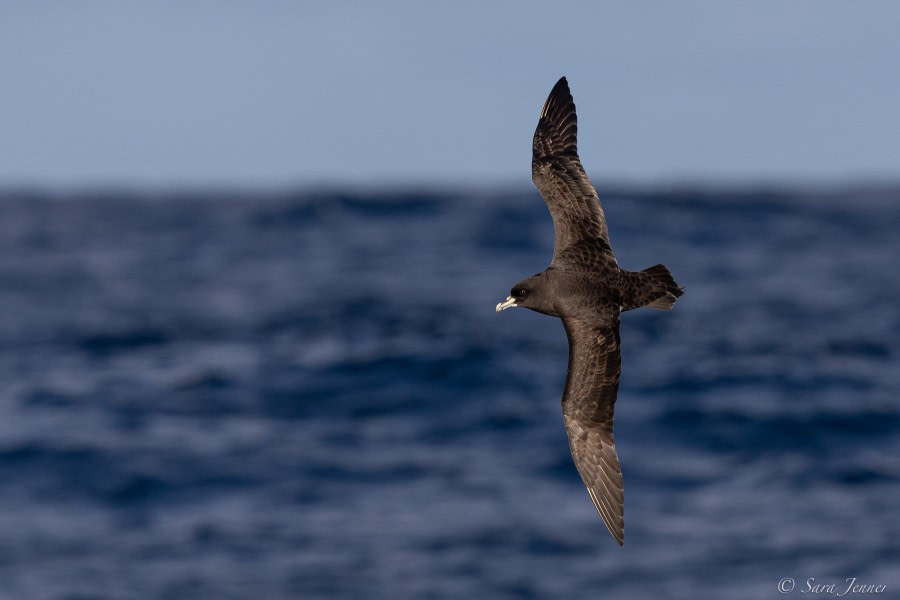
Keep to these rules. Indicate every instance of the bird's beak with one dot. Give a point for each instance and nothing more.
(509, 302)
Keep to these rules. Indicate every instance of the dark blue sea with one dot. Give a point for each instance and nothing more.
(308, 394)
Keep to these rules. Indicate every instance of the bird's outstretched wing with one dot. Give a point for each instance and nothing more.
(558, 174)
(592, 383)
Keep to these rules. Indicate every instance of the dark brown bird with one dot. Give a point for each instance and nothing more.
(585, 287)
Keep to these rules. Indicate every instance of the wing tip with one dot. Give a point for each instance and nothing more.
(557, 131)
(617, 531)
(560, 91)
(615, 526)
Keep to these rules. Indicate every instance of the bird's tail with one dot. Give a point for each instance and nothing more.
(654, 287)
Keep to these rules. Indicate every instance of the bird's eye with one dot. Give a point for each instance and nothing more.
(522, 292)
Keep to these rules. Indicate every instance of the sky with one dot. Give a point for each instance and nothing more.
(281, 93)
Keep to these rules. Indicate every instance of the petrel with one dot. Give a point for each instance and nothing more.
(585, 287)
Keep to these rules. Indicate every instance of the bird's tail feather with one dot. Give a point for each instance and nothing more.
(662, 286)
(654, 287)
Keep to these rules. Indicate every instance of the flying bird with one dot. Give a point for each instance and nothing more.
(585, 287)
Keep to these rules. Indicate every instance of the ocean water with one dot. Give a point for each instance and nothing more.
(309, 395)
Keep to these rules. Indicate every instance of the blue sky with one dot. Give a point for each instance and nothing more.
(284, 93)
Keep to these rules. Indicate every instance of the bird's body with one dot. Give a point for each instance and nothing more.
(585, 287)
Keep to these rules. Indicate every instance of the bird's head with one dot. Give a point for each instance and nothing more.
(531, 293)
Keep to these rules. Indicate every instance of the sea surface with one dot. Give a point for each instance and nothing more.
(307, 394)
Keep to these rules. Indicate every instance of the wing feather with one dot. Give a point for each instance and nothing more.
(592, 384)
(558, 174)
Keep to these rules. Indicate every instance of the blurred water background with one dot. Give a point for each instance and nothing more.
(308, 395)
